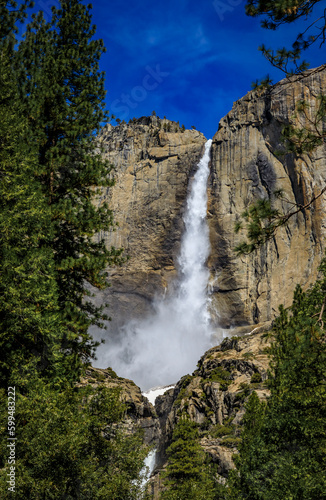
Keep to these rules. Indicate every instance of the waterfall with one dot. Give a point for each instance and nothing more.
(160, 349)
(191, 299)
(149, 465)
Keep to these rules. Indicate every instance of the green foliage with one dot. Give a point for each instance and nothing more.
(111, 372)
(185, 455)
(52, 103)
(255, 378)
(230, 343)
(188, 475)
(30, 326)
(261, 223)
(263, 84)
(70, 446)
(248, 459)
(71, 443)
(242, 395)
(10, 14)
(282, 59)
(277, 13)
(311, 133)
(283, 452)
(245, 388)
(63, 94)
(284, 12)
(222, 376)
(247, 355)
(219, 431)
(307, 131)
(231, 441)
(185, 381)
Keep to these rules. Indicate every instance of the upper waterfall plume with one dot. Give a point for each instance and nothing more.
(195, 247)
(163, 347)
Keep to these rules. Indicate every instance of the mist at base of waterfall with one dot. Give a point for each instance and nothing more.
(163, 347)
(160, 349)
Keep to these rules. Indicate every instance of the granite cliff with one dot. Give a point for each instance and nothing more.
(155, 159)
(245, 166)
(214, 397)
(139, 412)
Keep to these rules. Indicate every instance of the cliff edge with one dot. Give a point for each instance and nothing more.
(246, 166)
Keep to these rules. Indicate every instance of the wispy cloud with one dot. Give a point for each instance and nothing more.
(210, 62)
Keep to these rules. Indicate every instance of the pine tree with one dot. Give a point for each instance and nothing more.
(70, 442)
(283, 452)
(188, 474)
(284, 12)
(63, 94)
(10, 14)
(300, 136)
(71, 445)
(29, 315)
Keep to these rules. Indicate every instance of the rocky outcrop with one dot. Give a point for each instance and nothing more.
(139, 411)
(214, 397)
(154, 159)
(246, 166)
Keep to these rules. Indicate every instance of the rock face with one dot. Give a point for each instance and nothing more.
(154, 161)
(245, 167)
(214, 397)
(139, 411)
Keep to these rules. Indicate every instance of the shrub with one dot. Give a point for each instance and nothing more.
(256, 378)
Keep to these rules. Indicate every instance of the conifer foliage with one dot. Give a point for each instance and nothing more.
(63, 95)
(306, 128)
(283, 450)
(29, 317)
(189, 474)
(276, 13)
(71, 445)
(52, 105)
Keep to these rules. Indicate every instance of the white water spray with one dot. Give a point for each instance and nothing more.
(160, 349)
(149, 466)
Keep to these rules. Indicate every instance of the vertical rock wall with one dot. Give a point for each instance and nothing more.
(248, 289)
(154, 160)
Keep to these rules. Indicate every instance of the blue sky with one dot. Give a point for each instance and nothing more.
(187, 60)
